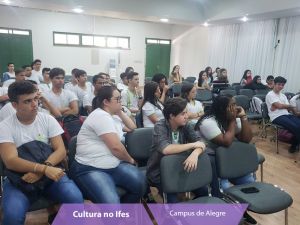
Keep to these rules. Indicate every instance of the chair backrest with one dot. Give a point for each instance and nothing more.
(262, 91)
(190, 79)
(248, 92)
(236, 161)
(176, 88)
(237, 88)
(139, 119)
(228, 92)
(139, 143)
(72, 150)
(243, 101)
(204, 95)
(264, 111)
(175, 179)
(289, 95)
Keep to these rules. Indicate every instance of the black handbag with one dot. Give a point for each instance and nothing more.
(34, 151)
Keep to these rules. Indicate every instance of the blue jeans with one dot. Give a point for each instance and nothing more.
(292, 124)
(99, 185)
(225, 183)
(15, 203)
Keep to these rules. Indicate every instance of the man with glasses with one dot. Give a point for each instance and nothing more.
(64, 100)
(99, 81)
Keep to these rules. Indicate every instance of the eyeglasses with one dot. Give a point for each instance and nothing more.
(117, 98)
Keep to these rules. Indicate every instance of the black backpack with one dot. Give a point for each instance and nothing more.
(71, 125)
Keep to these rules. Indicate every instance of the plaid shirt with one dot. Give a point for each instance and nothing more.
(162, 137)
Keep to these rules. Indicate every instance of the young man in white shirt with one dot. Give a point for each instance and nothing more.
(123, 84)
(278, 109)
(36, 70)
(64, 100)
(132, 97)
(295, 102)
(98, 81)
(82, 88)
(20, 76)
(73, 83)
(46, 84)
(25, 126)
(10, 73)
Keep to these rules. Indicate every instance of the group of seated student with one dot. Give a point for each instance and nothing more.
(176, 134)
(256, 84)
(280, 110)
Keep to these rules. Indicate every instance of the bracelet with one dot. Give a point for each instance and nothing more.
(35, 166)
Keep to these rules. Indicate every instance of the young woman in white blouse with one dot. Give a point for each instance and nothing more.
(151, 106)
(102, 162)
(194, 108)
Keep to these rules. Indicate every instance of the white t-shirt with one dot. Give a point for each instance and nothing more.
(7, 110)
(195, 108)
(148, 110)
(129, 99)
(3, 91)
(35, 76)
(61, 100)
(88, 99)
(80, 93)
(69, 86)
(271, 98)
(122, 86)
(8, 82)
(91, 150)
(210, 129)
(41, 129)
(119, 126)
(44, 88)
(295, 102)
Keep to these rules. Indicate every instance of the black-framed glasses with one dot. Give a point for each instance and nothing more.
(117, 98)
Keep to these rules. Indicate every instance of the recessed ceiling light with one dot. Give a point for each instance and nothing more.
(164, 20)
(78, 10)
(245, 19)
(205, 24)
(8, 2)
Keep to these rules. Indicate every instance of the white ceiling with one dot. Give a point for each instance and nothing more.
(185, 12)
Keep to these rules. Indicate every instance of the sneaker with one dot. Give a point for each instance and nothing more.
(249, 219)
(51, 218)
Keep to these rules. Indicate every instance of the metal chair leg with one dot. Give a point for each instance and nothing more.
(277, 150)
(286, 217)
(262, 172)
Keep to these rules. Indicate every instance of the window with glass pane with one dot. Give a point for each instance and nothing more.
(164, 42)
(87, 40)
(112, 42)
(3, 31)
(21, 32)
(152, 41)
(123, 42)
(60, 39)
(99, 41)
(73, 39)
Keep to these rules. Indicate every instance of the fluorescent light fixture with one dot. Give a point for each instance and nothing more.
(205, 24)
(164, 20)
(78, 10)
(8, 2)
(245, 19)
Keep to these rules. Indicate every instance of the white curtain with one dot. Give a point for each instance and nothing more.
(287, 60)
(238, 47)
